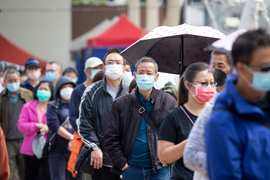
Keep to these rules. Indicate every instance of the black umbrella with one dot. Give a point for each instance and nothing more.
(174, 48)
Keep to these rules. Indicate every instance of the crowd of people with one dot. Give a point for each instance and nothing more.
(215, 126)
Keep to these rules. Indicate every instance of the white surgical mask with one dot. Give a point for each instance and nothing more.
(66, 93)
(114, 71)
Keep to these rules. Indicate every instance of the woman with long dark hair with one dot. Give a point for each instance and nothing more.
(32, 122)
(196, 88)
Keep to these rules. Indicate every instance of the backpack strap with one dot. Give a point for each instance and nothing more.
(142, 111)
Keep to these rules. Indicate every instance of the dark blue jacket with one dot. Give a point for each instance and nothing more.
(57, 112)
(237, 148)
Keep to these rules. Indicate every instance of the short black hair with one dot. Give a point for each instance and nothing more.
(228, 58)
(58, 64)
(112, 50)
(245, 44)
(51, 88)
(70, 70)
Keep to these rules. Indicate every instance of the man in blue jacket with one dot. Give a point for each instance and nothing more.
(237, 145)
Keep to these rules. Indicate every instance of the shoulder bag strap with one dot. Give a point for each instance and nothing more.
(265, 124)
(142, 111)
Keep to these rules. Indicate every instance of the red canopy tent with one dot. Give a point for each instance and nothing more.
(9, 52)
(121, 34)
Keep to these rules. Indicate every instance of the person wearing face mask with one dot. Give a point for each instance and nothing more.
(196, 88)
(32, 123)
(93, 65)
(57, 114)
(127, 76)
(53, 71)
(95, 106)
(237, 135)
(12, 99)
(130, 140)
(195, 153)
(33, 72)
(72, 73)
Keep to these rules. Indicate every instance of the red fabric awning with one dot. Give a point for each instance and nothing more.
(121, 34)
(9, 52)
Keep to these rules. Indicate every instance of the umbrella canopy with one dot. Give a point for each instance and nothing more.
(225, 45)
(174, 48)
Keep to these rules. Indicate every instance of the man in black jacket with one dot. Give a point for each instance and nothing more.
(96, 103)
(129, 140)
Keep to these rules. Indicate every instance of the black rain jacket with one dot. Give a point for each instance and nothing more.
(123, 124)
(95, 106)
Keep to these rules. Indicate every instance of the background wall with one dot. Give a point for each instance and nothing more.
(41, 27)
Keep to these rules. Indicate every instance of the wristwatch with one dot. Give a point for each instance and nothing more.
(71, 137)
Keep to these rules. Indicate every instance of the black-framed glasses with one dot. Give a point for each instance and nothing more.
(262, 68)
(206, 84)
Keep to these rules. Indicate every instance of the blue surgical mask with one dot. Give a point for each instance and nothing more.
(261, 80)
(127, 77)
(13, 87)
(50, 76)
(145, 82)
(93, 72)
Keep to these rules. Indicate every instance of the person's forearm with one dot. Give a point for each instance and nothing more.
(64, 133)
(173, 153)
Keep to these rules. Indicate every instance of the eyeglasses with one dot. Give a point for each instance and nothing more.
(263, 68)
(206, 84)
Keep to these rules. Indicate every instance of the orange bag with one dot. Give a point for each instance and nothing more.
(76, 146)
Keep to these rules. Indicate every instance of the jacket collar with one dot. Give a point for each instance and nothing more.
(153, 98)
(21, 93)
(120, 88)
(240, 104)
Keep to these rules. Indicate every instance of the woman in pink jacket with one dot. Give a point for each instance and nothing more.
(32, 122)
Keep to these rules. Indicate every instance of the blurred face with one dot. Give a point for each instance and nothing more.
(44, 86)
(260, 63)
(33, 72)
(66, 85)
(88, 70)
(128, 69)
(1, 77)
(12, 78)
(221, 63)
(54, 68)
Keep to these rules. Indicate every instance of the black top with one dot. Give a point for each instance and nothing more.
(74, 103)
(28, 86)
(175, 128)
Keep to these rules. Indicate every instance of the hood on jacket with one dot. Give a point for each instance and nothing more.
(171, 89)
(62, 81)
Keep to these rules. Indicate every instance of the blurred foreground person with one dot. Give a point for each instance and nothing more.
(4, 171)
(94, 111)
(237, 134)
(196, 88)
(130, 140)
(53, 71)
(32, 123)
(92, 66)
(195, 153)
(72, 73)
(1, 79)
(12, 100)
(57, 114)
(33, 72)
